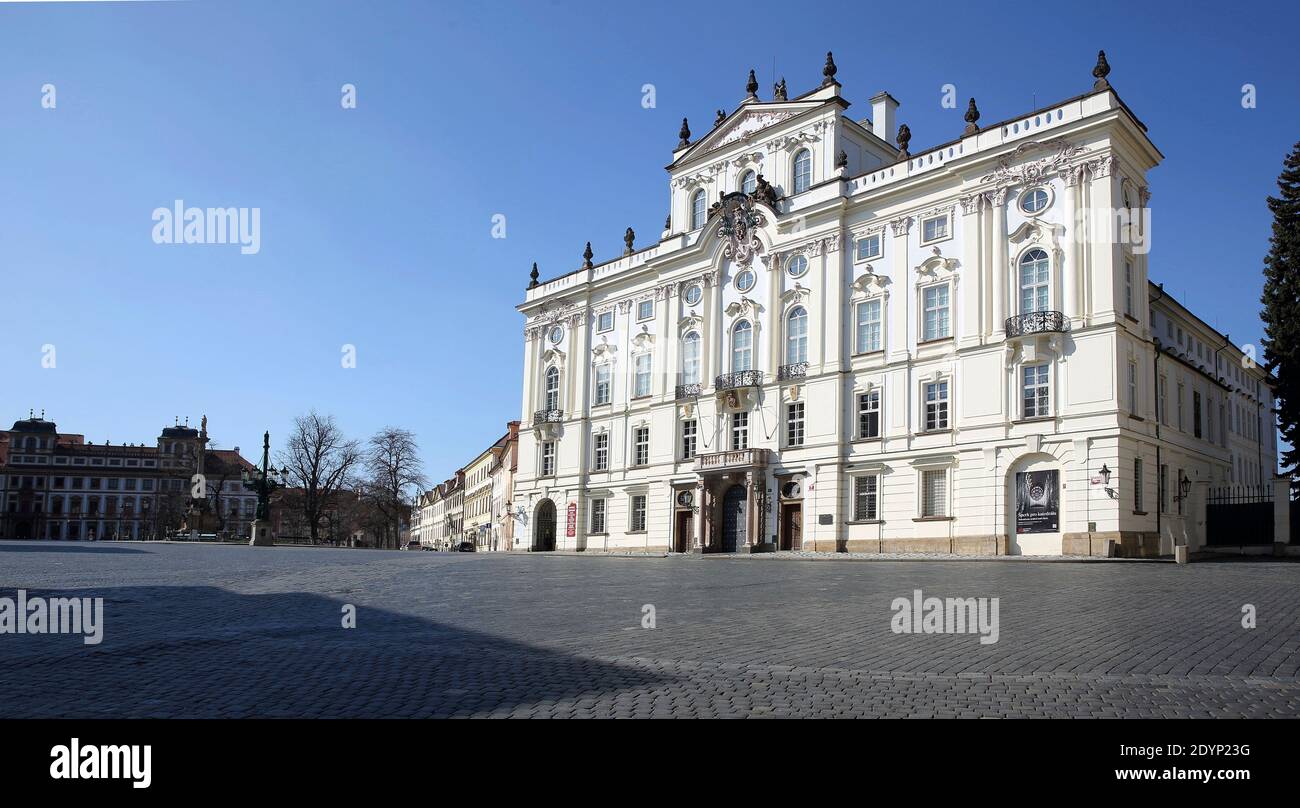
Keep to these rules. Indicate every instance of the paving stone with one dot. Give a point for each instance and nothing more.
(220, 631)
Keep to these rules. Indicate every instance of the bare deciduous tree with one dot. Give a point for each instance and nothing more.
(321, 461)
(393, 463)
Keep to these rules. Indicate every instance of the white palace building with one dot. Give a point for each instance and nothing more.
(839, 345)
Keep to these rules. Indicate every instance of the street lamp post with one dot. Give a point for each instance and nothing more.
(265, 480)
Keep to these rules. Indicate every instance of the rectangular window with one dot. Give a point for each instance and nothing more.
(934, 229)
(936, 405)
(645, 310)
(1182, 395)
(1162, 401)
(1133, 388)
(1137, 484)
(1196, 413)
(638, 513)
(868, 247)
(642, 388)
(1164, 488)
(548, 458)
(641, 446)
(794, 424)
(866, 497)
(1128, 288)
(934, 492)
(605, 321)
(1178, 481)
(868, 338)
(600, 451)
(598, 516)
(603, 387)
(739, 431)
(1035, 392)
(690, 433)
(869, 414)
(936, 323)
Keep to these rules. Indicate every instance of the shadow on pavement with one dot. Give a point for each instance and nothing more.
(205, 652)
(61, 547)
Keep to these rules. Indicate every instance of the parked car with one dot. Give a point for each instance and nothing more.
(412, 545)
(466, 547)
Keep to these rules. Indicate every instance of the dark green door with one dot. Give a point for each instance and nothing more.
(733, 519)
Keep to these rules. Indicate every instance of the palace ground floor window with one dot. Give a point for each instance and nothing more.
(866, 493)
(934, 492)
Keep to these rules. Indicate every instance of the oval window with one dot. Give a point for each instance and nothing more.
(745, 281)
(797, 266)
(1034, 200)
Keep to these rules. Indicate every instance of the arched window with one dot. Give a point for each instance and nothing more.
(796, 336)
(748, 182)
(691, 358)
(552, 388)
(1035, 282)
(802, 171)
(697, 210)
(742, 347)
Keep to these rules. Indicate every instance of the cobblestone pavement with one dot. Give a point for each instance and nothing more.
(212, 631)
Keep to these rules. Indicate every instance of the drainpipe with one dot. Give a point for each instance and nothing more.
(1155, 376)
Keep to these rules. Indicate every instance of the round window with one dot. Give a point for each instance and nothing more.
(557, 334)
(693, 295)
(1034, 200)
(797, 266)
(745, 280)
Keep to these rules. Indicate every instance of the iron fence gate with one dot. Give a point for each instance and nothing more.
(1239, 515)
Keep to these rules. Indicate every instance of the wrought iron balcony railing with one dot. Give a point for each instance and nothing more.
(795, 370)
(1038, 322)
(548, 417)
(689, 391)
(741, 378)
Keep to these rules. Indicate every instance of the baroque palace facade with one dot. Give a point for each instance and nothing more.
(56, 485)
(837, 344)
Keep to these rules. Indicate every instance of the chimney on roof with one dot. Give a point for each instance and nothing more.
(884, 115)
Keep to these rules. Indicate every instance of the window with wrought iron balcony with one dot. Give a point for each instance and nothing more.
(738, 379)
(689, 390)
(548, 417)
(1035, 322)
(1035, 274)
(793, 370)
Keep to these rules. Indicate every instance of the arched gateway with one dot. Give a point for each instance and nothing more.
(544, 526)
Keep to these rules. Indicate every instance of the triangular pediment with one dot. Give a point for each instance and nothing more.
(746, 123)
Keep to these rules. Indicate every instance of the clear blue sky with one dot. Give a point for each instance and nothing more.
(376, 222)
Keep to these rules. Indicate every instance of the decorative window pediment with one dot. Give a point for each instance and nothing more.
(870, 284)
(1039, 232)
(936, 268)
(644, 340)
(553, 356)
(604, 350)
(744, 307)
(796, 294)
(690, 322)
